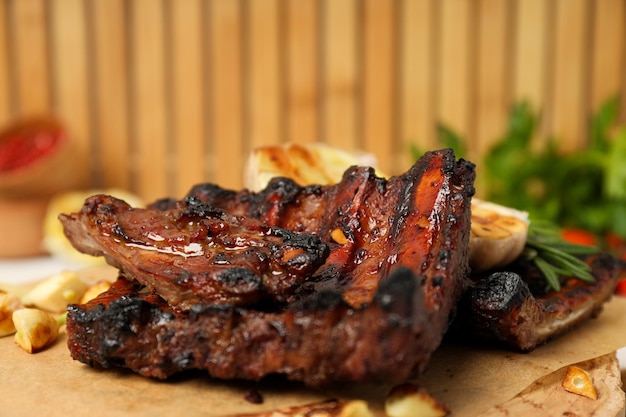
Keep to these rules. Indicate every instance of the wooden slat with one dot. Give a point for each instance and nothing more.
(530, 47)
(530, 59)
(340, 74)
(416, 88)
(571, 40)
(302, 110)
(492, 79)
(148, 81)
(187, 94)
(378, 81)
(453, 68)
(70, 74)
(111, 84)
(608, 72)
(5, 95)
(263, 73)
(33, 87)
(226, 90)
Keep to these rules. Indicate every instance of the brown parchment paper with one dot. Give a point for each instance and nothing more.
(468, 379)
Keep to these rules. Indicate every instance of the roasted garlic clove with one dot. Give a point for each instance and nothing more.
(8, 304)
(35, 329)
(56, 292)
(497, 236)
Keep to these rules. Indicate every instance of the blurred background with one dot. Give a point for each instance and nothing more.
(157, 95)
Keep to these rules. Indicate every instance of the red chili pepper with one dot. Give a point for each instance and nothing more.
(579, 236)
(621, 288)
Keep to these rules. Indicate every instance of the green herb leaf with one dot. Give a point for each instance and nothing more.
(548, 271)
(555, 257)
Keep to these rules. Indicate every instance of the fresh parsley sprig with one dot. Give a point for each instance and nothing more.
(554, 256)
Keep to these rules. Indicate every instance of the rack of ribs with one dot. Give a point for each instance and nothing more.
(349, 282)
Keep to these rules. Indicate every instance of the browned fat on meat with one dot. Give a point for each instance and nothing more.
(375, 309)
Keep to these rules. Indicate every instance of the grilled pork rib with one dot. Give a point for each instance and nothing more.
(319, 339)
(193, 253)
(513, 309)
(375, 309)
(370, 224)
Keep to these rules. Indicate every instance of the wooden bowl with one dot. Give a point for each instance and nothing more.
(21, 226)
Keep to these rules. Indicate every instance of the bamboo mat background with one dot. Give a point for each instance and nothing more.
(163, 94)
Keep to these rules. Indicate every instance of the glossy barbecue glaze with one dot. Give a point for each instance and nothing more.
(193, 253)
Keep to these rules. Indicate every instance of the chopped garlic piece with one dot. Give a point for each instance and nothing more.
(8, 304)
(35, 329)
(355, 408)
(94, 291)
(578, 381)
(338, 236)
(409, 400)
(56, 292)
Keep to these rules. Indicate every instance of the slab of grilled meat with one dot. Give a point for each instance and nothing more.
(513, 308)
(375, 309)
(370, 224)
(318, 340)
(193, 253)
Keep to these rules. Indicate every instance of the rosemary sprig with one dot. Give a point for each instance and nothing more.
(554, 256)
